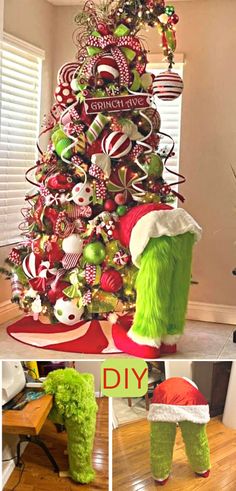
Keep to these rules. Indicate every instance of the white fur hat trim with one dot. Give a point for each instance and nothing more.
(174, 414)
(157, 223)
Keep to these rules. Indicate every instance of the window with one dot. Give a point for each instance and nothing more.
(21, 67)
(170, 113)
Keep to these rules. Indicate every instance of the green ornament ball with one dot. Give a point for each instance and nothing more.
(61, 145)
(94, 253)
(57, 136)
(155, 167)
(121, 210)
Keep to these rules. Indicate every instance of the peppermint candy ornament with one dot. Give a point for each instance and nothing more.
(107, 68)
(121, 181)
(82, 195)
(67, 72)
(64, 94)
(116, 144)
(167, 86)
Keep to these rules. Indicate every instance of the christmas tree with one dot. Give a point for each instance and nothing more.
(100, 234)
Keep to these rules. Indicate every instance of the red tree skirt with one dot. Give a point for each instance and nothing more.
(91, 337)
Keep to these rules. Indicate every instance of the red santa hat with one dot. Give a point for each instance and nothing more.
(143, 222)
(178, 399)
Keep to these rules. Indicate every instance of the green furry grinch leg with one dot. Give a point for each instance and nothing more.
(162, 445)
(196, 445)
(75, 407)
(162, 287)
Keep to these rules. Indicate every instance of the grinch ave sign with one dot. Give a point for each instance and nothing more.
(115, 104)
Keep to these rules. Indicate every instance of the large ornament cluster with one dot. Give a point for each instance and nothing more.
(102, 159)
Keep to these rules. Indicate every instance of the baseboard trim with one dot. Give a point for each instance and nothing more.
(198, 311)
(8, 311)
(209, 312)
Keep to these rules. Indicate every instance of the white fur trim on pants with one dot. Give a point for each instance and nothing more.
(155, 343)
(174, 414)
(158, 223)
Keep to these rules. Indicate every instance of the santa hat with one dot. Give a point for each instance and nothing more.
(178, 399)
(143, 222)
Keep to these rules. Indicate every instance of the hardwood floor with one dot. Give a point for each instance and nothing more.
(38, 474)
(131, 466)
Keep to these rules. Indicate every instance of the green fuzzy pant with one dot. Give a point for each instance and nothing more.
(162, 446)
(75, 407)
(162, 287)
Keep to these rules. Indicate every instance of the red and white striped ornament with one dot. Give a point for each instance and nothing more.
(167, 86)
(16, 287)
(107, 68)
(30, 265)
(116, 144)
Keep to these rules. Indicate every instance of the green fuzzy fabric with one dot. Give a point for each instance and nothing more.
(162, 445)
(75, 407)
(162, 286)
(196, 445)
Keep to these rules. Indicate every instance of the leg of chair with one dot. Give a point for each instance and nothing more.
(18, 453)
(162, 446)
(196, 445)
(41, 444)
(129, 402)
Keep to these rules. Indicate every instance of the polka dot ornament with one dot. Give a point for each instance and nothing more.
(82, 195)
(167, 86)
(64, 94)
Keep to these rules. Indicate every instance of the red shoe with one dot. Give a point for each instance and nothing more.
(168, 348)
(162, 483)
(203, 474)
(120, 336)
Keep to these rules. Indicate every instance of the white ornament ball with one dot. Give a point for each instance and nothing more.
(67, 312)
(82, 195)
(72, 244)
(167, 86)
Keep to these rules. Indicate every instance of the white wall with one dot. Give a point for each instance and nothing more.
(208, 133)
(93, 367)
(178, 369)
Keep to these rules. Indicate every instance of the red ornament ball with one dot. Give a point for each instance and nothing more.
(107, 68)
(109, 205)
(167, 86)
(111, 281)
(120, 198)
(64, 94)
(103, 28)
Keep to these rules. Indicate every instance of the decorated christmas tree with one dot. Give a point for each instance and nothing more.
(100, 234)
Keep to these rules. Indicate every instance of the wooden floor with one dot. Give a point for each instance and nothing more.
(38, 474)
(131, 465)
